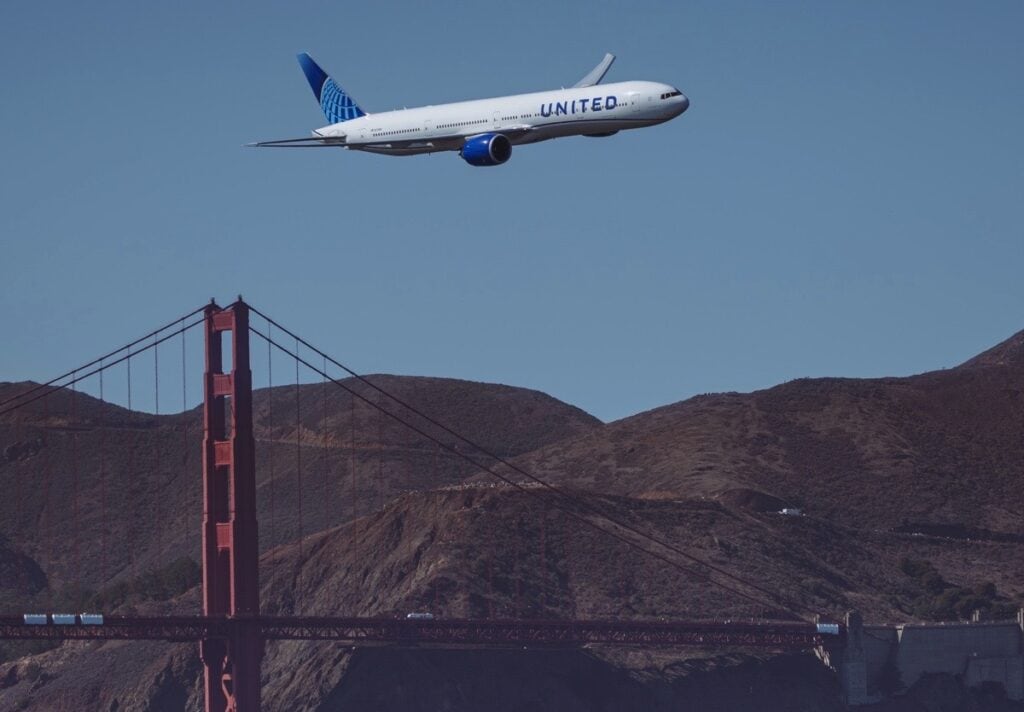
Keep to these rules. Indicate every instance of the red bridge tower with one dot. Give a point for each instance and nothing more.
(230, 536)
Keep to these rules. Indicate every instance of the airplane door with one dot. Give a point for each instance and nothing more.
(428, 127)
(497, 119)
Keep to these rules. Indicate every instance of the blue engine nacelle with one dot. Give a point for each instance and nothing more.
(486, 150)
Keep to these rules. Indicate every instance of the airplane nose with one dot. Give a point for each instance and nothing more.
(684, 103)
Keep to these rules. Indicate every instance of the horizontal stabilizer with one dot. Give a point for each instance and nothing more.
(597, 73)
(308, 142)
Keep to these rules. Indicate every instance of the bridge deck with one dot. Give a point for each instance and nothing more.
(436, 632)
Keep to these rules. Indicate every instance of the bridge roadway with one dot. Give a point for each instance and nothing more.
(434, 632)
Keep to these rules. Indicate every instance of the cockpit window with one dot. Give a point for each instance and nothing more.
(671, 94)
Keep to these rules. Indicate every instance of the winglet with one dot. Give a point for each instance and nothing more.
(597, 73)
(336, 104)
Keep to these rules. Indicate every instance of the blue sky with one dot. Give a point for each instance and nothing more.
(844, 196)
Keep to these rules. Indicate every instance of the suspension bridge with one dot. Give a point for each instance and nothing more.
(231, 632)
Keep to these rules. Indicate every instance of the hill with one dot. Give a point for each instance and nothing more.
(99, 493)
(906, 486)
(939, 448)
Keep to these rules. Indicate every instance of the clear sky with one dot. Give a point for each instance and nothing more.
(844, 196)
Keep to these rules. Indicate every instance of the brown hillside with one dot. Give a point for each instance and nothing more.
(1009, 353)
(943, 447)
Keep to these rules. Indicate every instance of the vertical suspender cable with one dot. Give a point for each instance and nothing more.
(435, 471)
(75, 551)
(298, 448)
(104, 518)
(129, 489)
(380, 452)
(270, 439)
(47, 533)
(567, 558)
(158, 489)
(490, 586)
(355, 512)
(517, 540)
(543, 560)
(18, 493)
(184, 446)
(323, 452)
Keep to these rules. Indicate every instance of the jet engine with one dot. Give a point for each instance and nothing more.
(486, 150)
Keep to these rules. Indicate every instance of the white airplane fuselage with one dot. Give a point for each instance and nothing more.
(484, 131)
(597, 110)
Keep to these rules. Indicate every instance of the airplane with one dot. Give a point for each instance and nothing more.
(483, 131)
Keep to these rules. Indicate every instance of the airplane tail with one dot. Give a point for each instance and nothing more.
(336, 104)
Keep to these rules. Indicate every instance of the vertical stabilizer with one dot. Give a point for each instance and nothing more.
(336, 104)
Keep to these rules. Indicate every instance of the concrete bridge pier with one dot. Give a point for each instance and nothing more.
(853, 668)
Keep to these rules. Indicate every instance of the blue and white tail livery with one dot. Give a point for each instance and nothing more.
(337, 105)
(483, 131)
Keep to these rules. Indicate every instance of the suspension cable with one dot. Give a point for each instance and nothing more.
(99, 360)
(791, 606)
(49, 388)
(787, 605)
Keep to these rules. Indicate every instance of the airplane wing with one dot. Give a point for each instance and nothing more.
(308, 142)
(597, 73)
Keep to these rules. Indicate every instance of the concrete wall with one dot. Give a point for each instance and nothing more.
(948, 648)
(1009, 671)
(979, 652)
(879, 648)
